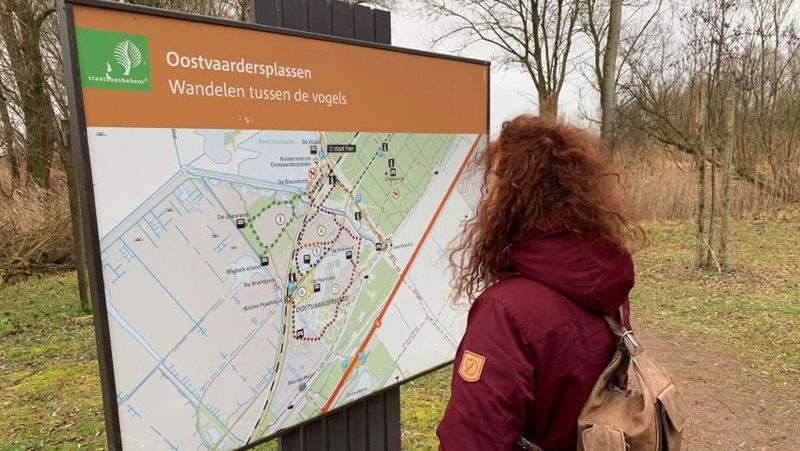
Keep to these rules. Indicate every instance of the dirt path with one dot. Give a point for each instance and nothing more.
(733, 405)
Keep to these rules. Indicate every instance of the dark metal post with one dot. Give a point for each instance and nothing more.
(374, 423)
(79, 147)
(78, 246)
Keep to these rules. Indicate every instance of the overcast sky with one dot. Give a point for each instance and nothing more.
(509, 87)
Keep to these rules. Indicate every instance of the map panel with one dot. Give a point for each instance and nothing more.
(263, 277)
(272, 212)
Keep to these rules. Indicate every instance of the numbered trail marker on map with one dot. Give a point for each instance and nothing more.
(263, 260)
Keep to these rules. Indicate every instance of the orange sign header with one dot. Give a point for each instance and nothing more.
(141, 70)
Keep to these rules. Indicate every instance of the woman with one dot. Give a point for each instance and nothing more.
(547, 252)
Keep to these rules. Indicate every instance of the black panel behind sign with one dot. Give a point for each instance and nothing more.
(374, 423)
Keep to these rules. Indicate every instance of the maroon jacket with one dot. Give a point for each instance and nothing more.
(534, 346)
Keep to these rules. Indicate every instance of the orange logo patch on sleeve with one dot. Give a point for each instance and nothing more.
(471, 366)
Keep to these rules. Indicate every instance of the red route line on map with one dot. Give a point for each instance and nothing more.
(354, 262)
(389, 300)
(338, 303)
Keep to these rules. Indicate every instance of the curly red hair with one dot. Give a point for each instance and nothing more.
(539, 177)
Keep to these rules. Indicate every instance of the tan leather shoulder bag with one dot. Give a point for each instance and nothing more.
(649, 415)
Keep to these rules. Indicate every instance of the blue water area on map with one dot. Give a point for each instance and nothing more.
(214, 145)
(285, 155)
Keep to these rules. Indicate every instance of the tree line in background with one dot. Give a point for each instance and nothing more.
(33, 102)
(717, 81)
(34, 216)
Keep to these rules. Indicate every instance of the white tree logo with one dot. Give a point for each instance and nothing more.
(128, 56)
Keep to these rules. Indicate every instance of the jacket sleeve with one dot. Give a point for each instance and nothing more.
(491, 385)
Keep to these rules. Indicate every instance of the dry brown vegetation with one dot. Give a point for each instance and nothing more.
(716, 82)
(662, 186)
(36, 233)
(35, 229)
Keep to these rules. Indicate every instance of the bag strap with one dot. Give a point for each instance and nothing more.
(627, 340)
(526, 444)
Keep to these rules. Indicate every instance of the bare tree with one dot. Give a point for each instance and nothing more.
(608, 85)
(613, 37)
(727, 160)
(21, 24)
(383, 4)
(232, 9)
(767, 81)
(8, 142)
(744, 56)
(535, 36)
(602, 24)
(676, 94)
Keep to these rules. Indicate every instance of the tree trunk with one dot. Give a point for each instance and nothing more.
(38, 126)
(711, 259)
(727, 158)
(51, 137)
(698, 122)
(548, 106)
(150, 3)
(8, 142)
(21, 28)
(608, 85)
(701, 206)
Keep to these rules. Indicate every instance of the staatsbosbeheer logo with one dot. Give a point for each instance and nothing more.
(111, 60)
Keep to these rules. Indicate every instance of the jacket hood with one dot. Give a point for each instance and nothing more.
(589, 271)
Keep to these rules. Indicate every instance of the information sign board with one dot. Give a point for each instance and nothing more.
(267, 216)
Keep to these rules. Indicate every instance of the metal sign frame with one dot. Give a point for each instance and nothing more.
(83, 176)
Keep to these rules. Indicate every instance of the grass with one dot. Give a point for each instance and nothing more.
(752, 310)
(49, 387)
(422, 403)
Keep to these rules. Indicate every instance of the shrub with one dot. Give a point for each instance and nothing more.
(35, 232)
